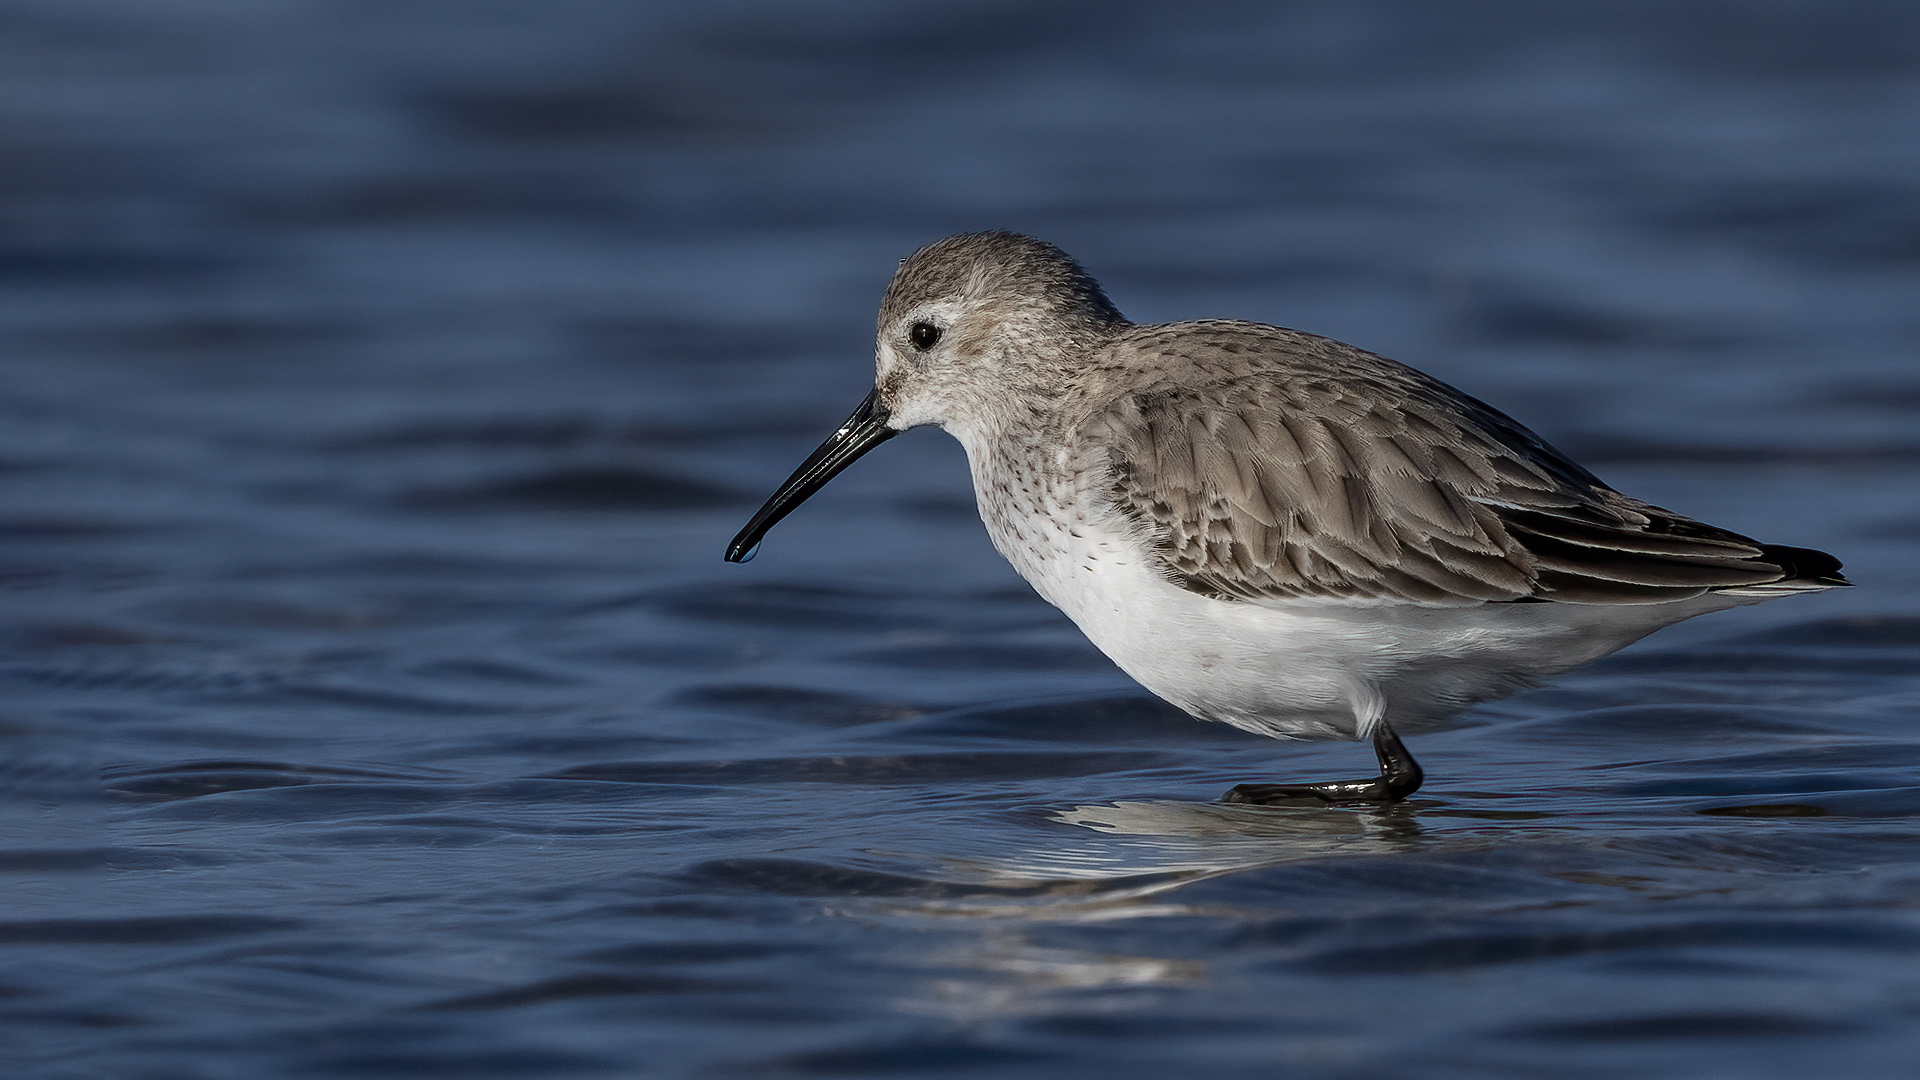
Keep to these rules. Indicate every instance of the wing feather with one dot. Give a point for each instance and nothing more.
(1290, 466)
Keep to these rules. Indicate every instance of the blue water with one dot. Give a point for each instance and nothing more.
(382, 382)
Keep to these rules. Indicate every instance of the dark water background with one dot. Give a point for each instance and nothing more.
(382, 380)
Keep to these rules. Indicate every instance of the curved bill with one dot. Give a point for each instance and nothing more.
(864, 430)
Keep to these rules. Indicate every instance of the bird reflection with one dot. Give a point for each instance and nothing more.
(1004, 974)
(1117, 861)
(1142, 851)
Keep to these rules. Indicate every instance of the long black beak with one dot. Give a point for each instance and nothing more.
(864, 430)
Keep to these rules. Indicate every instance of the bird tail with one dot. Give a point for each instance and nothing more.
(1801, 570)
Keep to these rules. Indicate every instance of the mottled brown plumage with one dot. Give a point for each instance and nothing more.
(1264, 462)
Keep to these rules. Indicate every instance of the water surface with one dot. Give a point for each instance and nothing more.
(382, 382)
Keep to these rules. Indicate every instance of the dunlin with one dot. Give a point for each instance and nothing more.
(1268, 528)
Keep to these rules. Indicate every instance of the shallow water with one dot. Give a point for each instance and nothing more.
(383, 382)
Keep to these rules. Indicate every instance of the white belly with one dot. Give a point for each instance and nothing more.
(1309, 668)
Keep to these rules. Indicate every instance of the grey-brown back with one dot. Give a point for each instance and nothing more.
(1261, 462)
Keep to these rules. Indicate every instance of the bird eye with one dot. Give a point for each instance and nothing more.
(923, 335)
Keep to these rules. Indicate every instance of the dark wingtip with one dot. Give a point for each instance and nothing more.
(1804, 564)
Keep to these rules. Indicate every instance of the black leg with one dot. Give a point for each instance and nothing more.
(1400, 776)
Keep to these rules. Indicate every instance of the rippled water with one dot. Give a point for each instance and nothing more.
(383, 381)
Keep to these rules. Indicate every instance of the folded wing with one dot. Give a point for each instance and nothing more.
(1334, 474)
